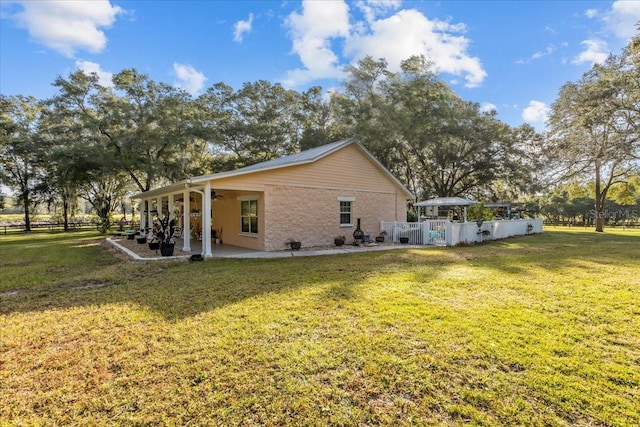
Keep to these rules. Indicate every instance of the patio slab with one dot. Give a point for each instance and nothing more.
(141, 252)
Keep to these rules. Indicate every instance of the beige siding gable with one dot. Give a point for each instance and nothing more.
(348, 168)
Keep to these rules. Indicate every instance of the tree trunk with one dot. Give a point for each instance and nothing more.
(65, 212)
(27, 220)
(599, 201)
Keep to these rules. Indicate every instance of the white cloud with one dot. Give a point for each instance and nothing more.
(242, 27)
(189, 78)
(395, 38)
(487, 107)
(596, 52)
(68, 26)
(591, 13)
(536, 112)
(409, 32)
(372, 8)
(623, 17)
(104, 77)
(548, 51)
(312, 32)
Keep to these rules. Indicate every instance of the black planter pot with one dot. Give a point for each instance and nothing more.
(404, 240)
(166, 249)
(131, 236)
(379, 239)
(295, 245)
(338, 242)
(154, 246)
(141, 240)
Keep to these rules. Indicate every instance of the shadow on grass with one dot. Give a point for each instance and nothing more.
(177, 290)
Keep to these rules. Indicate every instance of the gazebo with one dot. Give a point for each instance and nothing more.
(445, 202)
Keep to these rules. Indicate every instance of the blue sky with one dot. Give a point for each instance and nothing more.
(511, 56)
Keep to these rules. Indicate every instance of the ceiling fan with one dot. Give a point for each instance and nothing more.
(215, 196)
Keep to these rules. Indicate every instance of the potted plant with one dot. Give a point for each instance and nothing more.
(294, 244)
(217, 235)
(339, 240)
(380, 238)
(163, 235)
(152, 241)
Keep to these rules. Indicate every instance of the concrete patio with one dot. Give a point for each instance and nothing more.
(141, 252)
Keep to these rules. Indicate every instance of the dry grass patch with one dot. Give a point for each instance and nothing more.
(541, 330)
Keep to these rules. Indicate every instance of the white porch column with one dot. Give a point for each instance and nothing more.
(186, 221)
(206, 221)
(149, 215)
(141, 208)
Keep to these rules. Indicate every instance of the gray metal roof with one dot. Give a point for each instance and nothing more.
(446, 201)
(306, 156)
(303, 157)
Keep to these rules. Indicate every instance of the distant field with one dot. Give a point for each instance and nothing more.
(536, 330)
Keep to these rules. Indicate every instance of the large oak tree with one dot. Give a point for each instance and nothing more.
(594, 126)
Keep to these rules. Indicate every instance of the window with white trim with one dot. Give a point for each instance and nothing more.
(249, 216)
(345, 210)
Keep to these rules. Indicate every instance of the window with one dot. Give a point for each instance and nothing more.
(249, 216)
(345, 210)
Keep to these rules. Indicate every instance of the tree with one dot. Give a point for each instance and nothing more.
(318, 123)
(593, 134)
(149, 127)
(437, 143)
(21, 149)
(259, 122)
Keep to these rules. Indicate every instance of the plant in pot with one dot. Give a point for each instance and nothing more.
(294, 244)
(217, 235)
(163, 236)
(339, 240)
(152, 240)
(380, 238)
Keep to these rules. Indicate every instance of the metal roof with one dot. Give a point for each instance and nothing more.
(446, 201)
(301, 158)
(306, 156)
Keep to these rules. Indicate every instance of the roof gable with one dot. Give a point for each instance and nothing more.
(301, 158)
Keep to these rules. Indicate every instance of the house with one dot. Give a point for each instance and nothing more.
(312, 197)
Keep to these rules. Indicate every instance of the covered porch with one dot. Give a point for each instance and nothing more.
(141, 251)
(202, 216)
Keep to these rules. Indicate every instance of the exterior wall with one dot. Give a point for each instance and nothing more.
(301, 202)
(347, 168)
(226, 216)
(312, 215)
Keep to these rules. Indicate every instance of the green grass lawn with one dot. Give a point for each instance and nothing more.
(537, 330)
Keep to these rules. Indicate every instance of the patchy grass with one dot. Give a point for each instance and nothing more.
(539, 330)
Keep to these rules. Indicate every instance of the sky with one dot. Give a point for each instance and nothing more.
(509, 56)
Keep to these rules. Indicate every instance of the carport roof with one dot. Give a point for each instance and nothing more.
(446, 201)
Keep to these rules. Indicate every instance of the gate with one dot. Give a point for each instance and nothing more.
(431, 232)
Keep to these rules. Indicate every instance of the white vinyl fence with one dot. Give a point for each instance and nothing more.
(444, 232)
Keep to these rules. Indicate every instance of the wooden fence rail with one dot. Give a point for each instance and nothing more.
(59, 226)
